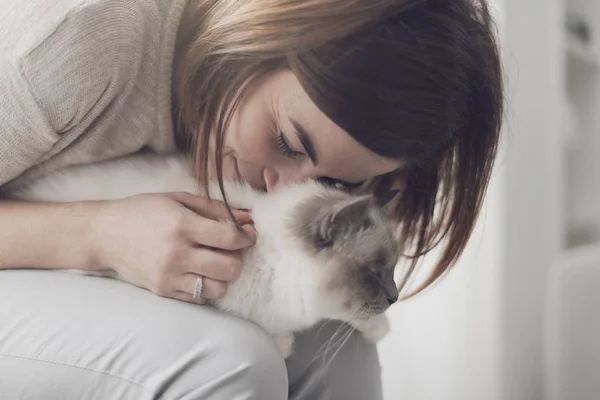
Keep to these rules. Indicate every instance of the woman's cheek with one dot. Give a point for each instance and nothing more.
(258, 149)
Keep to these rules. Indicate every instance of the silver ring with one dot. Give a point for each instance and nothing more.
(198, 288)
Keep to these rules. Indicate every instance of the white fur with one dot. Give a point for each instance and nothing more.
(281, 288)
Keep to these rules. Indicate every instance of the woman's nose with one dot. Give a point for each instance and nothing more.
(273, 178)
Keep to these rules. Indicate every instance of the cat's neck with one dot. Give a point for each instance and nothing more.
(277, 270)
(271, 278)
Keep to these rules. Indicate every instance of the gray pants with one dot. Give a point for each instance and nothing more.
(70, 337)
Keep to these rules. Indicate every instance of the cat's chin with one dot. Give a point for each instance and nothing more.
(374, 328)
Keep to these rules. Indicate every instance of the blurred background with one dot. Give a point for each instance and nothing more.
(518, 318)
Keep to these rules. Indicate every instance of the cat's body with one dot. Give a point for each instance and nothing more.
(307, 264)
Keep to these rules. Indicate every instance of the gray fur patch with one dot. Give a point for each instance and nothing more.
(350, 234)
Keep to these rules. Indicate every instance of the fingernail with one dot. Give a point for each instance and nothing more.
(251, 230)
(246, 217)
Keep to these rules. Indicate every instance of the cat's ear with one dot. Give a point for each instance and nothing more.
(352, 210)
(339, 220)
(344, 219)
(388, 190)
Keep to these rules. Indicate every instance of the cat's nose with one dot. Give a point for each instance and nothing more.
(390, 289)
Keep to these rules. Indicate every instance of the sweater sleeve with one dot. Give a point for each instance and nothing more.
(25, 132)
(62, 82)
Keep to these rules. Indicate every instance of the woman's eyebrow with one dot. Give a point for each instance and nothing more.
(305, 141)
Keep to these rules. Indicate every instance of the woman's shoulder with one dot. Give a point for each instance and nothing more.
(64, 63)
(75, 52)
(27, 27)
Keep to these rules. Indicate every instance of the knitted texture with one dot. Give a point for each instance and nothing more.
(83, 81)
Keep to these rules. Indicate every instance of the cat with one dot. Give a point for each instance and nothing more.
(321, 253)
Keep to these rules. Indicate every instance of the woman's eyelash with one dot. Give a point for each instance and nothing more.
(332, 183)
(338, 184)
(284, 146)
(286, 150)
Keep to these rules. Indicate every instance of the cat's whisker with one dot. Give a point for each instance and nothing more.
(337, 344)
(323, 348)
(322, 351)
(345, 339)
(345, 330)
(322, 326)
(363, 313)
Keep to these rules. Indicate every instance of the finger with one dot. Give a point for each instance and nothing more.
(220, 235)
(214, 264)
(213, 209)
(188, 298)
(211, 288)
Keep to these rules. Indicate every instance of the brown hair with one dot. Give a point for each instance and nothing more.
(417, 80)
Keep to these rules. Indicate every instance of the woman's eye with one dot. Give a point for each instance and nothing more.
(284, 147)
(332, 183)
(327, 181)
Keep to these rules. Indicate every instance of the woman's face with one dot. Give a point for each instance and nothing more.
(278, 135)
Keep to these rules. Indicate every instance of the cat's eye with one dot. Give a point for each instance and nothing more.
(285, 148)
(378, 274)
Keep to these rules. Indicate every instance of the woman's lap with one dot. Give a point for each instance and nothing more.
(66, 336)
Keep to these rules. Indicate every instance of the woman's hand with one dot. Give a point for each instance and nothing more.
(163, 242)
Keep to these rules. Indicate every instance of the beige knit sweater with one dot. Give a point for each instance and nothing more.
(83, 81)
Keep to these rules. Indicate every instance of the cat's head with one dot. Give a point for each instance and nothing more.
(353, 252)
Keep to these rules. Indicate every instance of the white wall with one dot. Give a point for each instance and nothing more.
(533, 195)
(445, 343)
(477, 335)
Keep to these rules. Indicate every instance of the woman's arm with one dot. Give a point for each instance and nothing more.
(47, 235)
(161, 242)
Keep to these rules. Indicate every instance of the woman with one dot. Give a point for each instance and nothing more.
(401, 98)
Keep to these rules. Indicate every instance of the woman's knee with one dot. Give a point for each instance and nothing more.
(131, 340)
(227, 359)
(262, 370)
